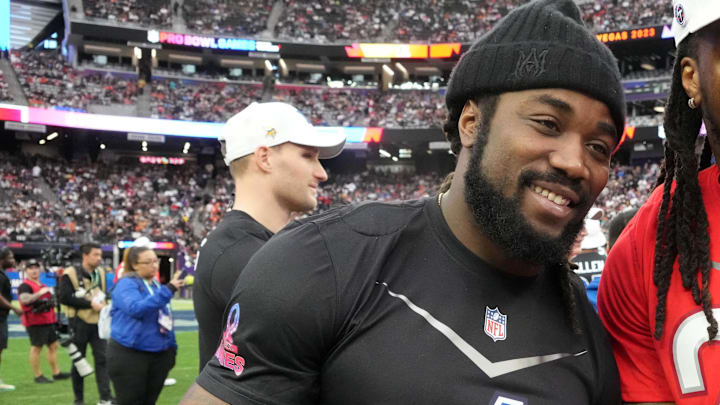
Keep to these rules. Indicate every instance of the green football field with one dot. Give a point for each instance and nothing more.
(15, 370)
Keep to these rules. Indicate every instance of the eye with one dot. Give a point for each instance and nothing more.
(600, 148)
(548, 124)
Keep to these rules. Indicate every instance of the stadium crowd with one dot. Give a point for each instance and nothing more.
(201, 101)
(108, 202)
(151, 13)
(4, 92)
(335, 21)
(49, 81)
(225, 17)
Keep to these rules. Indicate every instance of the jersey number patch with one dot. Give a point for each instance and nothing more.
(689, 338)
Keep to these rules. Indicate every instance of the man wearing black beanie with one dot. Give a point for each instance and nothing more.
(465, 298)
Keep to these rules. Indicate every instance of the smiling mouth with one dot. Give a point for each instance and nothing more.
(551, 196)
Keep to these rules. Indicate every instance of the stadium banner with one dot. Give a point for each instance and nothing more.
(153, 126)
(634, 34)
(246, 46)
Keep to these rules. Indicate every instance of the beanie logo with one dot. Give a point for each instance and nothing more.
(530, 65)
(680, 14)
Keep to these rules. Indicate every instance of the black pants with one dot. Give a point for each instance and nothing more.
(138, 376)
(84, 333)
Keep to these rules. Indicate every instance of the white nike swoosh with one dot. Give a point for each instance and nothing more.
(491, 369)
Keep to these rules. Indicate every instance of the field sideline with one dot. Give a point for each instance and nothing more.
(15, 370)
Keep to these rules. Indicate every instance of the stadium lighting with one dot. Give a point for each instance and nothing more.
(395, 159)
(384, 153)
(144, 144)
(42, 142)
(187, 145)
(102, 146)
(659, 109)
(647, 66)
(138, 52)
(52, 136)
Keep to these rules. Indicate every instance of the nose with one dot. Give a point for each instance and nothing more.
(569, 157)
(320, 172)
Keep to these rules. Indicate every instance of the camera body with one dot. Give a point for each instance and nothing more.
(43, 305)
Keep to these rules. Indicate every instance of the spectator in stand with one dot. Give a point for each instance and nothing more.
(150, 13)
(38, 306)
(228, 18)
(142, 346)
(7, 261)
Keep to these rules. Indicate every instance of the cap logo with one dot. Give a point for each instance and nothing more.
(270, 133)
(530, 65)
(680, 14)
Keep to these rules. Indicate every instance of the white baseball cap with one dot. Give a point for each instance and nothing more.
(271, 124)
(692, 15)
(595, 237)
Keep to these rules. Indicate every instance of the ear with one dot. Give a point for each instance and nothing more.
(467, 124)
(690, 78)
(261, 157)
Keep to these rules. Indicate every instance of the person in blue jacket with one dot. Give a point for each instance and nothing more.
(142, 345)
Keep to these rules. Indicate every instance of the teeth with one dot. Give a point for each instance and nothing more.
(556, 198)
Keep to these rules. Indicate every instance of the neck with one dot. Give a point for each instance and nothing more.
(35, 280)
(463, 225)
(257, 200)
(87, 267)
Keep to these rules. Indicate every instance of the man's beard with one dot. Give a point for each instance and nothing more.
(501, 218)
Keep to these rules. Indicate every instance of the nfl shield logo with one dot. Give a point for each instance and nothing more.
(495, 324)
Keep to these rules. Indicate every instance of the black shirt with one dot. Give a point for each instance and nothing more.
(590, 265)
(222, 257)
(381, 304)
(5, 291)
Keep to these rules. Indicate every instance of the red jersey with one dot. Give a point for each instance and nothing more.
(682, 365)
(30, 318)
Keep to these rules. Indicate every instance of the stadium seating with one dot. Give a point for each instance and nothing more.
(325, 21)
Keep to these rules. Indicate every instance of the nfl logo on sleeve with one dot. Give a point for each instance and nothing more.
(495, 324)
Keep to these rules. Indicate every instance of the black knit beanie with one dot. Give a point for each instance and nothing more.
(542, 44)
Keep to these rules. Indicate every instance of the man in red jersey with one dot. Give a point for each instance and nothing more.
(660, 291)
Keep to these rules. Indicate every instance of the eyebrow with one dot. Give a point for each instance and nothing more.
(555, 103)
(608, 129)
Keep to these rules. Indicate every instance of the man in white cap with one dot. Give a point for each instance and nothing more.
(659, 296)
(273, 153)
(591, 256)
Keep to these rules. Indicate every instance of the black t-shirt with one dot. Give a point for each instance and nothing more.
(381, 304)
(24, 288)
(222, 257)
(5, 291)
(590, 265)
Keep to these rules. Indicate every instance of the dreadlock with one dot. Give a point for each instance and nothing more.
(682, 230)
(563, 271)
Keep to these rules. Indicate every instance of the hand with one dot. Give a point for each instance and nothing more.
(176, 282)
(97, 305)
(17, 310)
(44, 291)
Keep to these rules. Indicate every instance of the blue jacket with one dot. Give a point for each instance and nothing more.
(135, 314)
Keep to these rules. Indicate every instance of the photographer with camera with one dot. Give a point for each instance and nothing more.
(82, 292)
(7, 261)
(37, 302)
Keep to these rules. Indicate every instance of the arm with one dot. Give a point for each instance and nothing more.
(197, 395)
(279, 325)
(623, 308)
(26, 296)
(127, 297)
(66, 295)
(7, 305)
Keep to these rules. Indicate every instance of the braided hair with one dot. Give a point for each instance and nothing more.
(563, 271)
(682, 230)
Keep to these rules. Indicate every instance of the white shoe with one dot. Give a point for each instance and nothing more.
(169, 381)
(106, 402)
(6, 387)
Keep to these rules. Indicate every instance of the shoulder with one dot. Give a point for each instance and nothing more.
(365, 219)
(24, 287)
